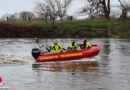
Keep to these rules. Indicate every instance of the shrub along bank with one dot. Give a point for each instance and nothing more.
(68, 29)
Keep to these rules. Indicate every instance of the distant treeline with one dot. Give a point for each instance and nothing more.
(75, 29)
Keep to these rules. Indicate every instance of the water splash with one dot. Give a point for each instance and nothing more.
(10, 59)
(92, 59)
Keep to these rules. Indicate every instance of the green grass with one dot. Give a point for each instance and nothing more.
(70, 28)
(71, 25)
(66, 24)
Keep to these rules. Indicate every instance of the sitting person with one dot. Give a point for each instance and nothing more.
(85, 45)
(56, 48)
(73, 46)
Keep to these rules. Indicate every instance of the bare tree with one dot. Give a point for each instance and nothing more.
(45, 11)
(25, 15)
(53, 9)
(70, 18)
(42, 10)
(12, 18)
(17, 16)
(98, 7)
(61, 7)
(9, 17)
(92, 8)
(125, 6)
(6, 17)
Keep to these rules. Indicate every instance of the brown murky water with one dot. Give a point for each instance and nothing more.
(110, 70)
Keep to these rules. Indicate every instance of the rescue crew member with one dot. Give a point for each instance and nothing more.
(85, 45)
(56, 48)
(73, 46)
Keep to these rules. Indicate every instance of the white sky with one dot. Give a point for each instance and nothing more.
(13, 6)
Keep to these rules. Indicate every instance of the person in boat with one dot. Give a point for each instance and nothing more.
(85, 45)
(73, 46)
(56, 48)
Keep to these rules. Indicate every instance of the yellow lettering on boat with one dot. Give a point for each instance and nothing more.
(48, 57)
(71, 55)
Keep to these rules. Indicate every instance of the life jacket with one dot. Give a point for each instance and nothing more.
(88, 45)
(85, 46)
(73, 46)
(56, 48)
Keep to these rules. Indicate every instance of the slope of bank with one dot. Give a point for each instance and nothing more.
(68, 29)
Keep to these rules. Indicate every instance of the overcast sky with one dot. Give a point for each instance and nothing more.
(13, 6)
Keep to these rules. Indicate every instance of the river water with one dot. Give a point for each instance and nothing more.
(110, 70)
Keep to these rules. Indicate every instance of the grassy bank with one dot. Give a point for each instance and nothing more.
(67, 29)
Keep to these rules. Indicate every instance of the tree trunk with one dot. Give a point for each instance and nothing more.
(124, 14)
(46, 19)
(61, 18)
(106, 8)
(53, 20)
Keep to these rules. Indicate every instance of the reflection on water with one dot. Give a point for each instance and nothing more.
(110, 70)
(67, 66)
(106, 48)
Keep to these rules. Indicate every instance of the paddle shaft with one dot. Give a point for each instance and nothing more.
(37, 41)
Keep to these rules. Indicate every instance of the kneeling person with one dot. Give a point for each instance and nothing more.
(73, 46)
(56, 48)
(85, 45)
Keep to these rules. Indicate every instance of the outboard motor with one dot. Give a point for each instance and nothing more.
(36, 53)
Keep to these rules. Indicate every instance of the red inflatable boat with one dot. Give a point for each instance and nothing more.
(72, 55)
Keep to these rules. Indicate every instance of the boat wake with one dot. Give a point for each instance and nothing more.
(93, 59)
(10, 59)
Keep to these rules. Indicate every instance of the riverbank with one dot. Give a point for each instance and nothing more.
(67, 29)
